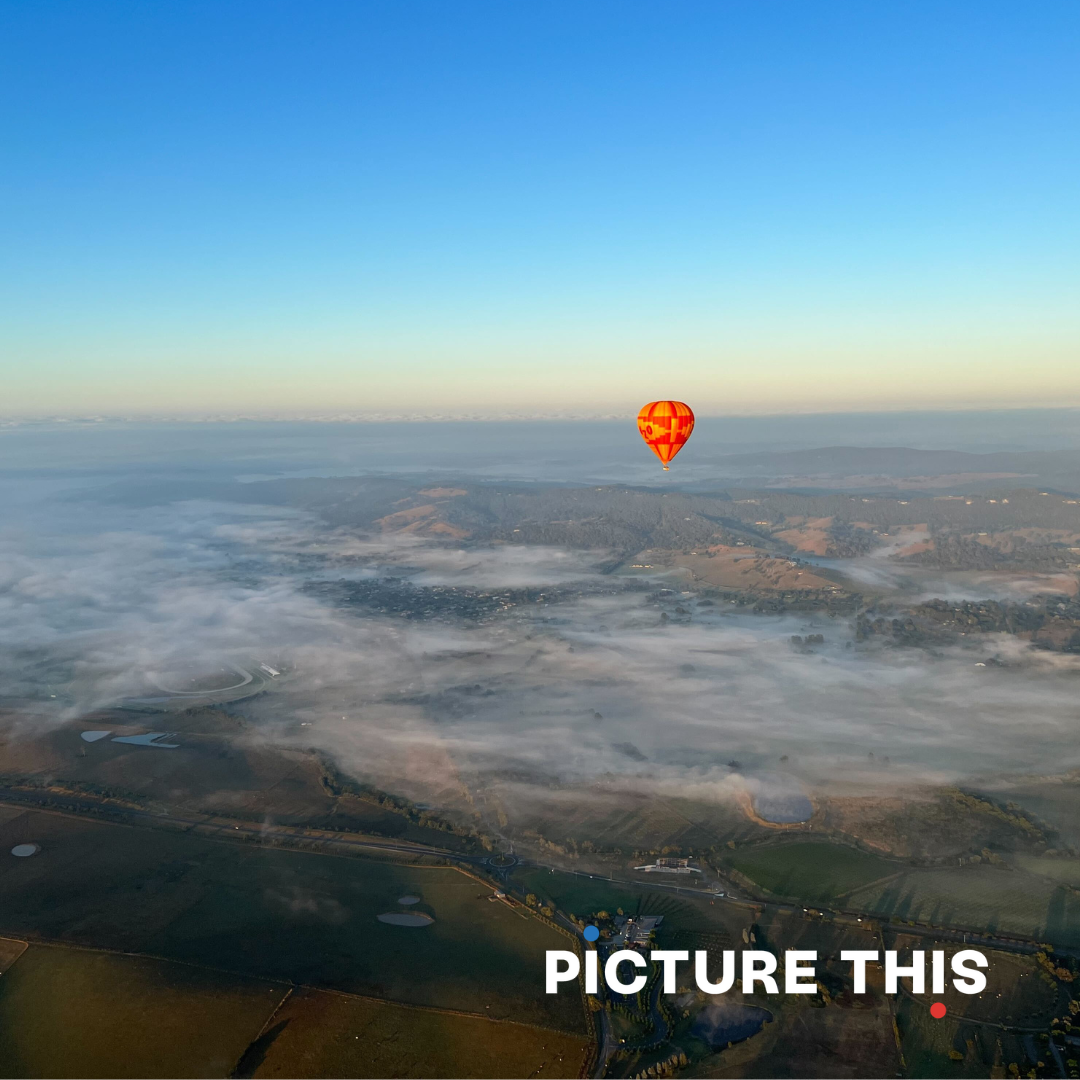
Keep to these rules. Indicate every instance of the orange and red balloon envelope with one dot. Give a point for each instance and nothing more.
(665, 426)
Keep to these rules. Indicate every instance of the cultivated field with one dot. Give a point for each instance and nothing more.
(741, 568)
(10, 951)
(952, 1047)
(583, 895)
(1064, 871)
(809, 871)
(986, 898)
(1016, 992)
(69, 1012)
(280, 914)
(321, 1034)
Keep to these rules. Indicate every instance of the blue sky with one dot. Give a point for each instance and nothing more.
(465, 208)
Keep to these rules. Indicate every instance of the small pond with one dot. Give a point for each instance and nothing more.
(719, 1025)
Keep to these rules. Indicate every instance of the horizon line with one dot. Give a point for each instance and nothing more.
(386, 416)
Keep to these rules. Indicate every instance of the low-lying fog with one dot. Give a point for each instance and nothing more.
(98, 598)
(915, 584)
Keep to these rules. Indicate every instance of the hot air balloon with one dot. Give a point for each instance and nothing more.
(665, 426)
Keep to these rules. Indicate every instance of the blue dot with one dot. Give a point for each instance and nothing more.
(591, 933)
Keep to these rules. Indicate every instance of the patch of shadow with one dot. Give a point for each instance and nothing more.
(253, 1057)
(783, 809)
(630, 750)
(778, 799)
(401, 918)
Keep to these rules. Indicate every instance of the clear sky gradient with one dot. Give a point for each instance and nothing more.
(466, 208)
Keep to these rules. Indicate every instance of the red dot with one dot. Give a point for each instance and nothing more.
(937, 1010)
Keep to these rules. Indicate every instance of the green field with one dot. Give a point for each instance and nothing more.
(928, 1043)
(66, 1012)
(10, 951)
(283, 914)
(320, 1034)
(810, 872)
(1065, 871)
(978, 898)
(1055, 800)
(779, 930)
(1016, 992)
(581, 894)
(584, 896)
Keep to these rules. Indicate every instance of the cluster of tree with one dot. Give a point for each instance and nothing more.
(956, 551)
(1063, 1031)
(334, 782)
(1010, 814)
(405, 600)
(618, 1004)
(570, 846)
(545, 907)
(781, 601)
(1049, 621)
(903, 630)
(1063, 970)
(847, 541)
(62, 792)
(668, 1067)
